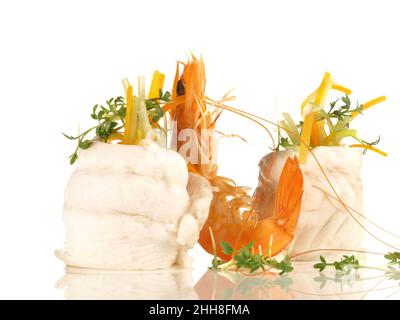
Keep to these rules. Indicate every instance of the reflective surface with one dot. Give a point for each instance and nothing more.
(159, 285)
(303, 283)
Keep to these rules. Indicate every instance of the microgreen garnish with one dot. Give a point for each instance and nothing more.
(349, 263)
(344, 111)
(345, 264)
(285, 265)
(285, 143)
(153, 106)
(246, 259)
(111, 120)
(393, 257)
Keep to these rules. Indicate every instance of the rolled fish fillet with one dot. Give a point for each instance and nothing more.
(132, 208)
(323, 222)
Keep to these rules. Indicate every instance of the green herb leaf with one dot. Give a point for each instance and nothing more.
(226, 248)
(285, 266)
(216, 263)
(84, 144)
(393, 257)
(67, 136)
(73, 158)
(320, 266)
(347, 102)
(166, 97)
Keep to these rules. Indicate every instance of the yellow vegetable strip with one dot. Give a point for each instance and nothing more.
(323, 89)
(125, 83)
(306, 101)
(334, 138)
(343, 124)
(318, 132)
(289, 132)
(369, 104)
(338, 87)
(293, 132)
(157, 83)
(144, 127)
(305, 136)
(115, 136)
(369, 148)
(132, 138)
(309, 118)
(130, 117)
(373, 102)
(328, 121)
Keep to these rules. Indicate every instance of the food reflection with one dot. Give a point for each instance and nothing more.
(303, 283)
(163, 284)
(232, 285)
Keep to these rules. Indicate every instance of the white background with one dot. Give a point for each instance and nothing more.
(59, 58)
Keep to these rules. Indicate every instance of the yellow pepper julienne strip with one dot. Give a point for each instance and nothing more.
(306, 101)
(293, 132)
(323, 89)
(115, 136)
(157, 83)
(125, 84)
(338, 87)
(335, 86)
(369, 104)
(373, 102)
(364, 146)
(289, 131)
(335, 137)
(143, 127)
(130, 117)
(307, 131)
(305, 136)
(318, 131)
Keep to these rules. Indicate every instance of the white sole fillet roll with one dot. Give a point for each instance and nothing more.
(132, 208)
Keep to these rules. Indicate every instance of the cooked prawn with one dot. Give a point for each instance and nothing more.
(229, 224)
(234, 216)
(190, 111)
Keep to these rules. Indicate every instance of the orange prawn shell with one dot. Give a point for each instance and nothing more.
(194, 81)
(230, 227)
(191, 112)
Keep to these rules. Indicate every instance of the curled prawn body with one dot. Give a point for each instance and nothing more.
(236, 221)
(269, 217)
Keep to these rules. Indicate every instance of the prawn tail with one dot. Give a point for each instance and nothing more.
(289, 196)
